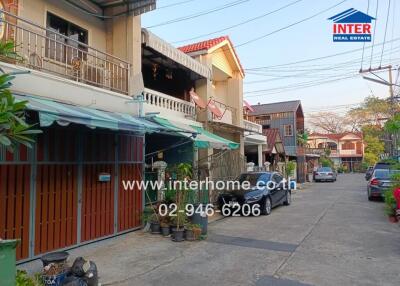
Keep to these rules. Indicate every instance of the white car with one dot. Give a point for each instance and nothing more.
(325, 174)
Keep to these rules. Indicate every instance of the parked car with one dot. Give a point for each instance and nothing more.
(380, 166)
(380, 181)
(259, 192)
(325, 174)
(369, 172)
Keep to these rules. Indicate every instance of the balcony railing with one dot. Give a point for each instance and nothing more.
(229, 113)
(165, 103)
(252, 126)
(49, 51)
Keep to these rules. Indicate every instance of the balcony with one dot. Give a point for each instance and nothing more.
(48, 51)
(229, 113)
(167, 106)
(252, 127)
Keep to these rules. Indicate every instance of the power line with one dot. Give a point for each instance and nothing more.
(291, 25)
(373, 36)
(199, 14)
(362, 57)
(318, 58)
(174, 4)
(239, 24)
(384, 37)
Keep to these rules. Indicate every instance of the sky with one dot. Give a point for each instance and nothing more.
(306, 40)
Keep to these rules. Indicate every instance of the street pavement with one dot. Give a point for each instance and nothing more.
(330, 235)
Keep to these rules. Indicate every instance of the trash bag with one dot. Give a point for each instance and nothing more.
(74, 281)
(85, 269)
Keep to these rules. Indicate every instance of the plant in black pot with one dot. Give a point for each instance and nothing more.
(155, 223)
(178, 221)
(165, 225)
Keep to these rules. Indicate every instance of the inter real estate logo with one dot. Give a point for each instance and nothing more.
(352, 26)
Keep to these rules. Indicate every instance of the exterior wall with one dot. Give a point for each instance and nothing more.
(60, 201)
(36, 11)
(220, 61)
(288, 141)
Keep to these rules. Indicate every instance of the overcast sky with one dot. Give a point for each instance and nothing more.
(306, 40)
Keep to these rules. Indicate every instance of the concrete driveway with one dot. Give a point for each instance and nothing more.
(330, 235)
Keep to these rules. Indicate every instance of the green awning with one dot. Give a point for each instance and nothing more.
(52, 111)
(201, 137)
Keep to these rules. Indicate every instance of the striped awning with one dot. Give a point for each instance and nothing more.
(51, 112)
(201, 137)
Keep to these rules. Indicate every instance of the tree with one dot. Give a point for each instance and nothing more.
(13, 128)
(373, 111)
(374, 148)
(327, 122)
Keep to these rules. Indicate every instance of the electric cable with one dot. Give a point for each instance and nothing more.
(362, 56)
(384, 37)
(373, 36)
(239, 24)
(199, 14)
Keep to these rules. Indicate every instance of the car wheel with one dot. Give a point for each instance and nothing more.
(288, 199)
(267, 206)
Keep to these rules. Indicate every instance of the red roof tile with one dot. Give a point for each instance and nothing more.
(204, 45)
(337, 136)
(273, 136)
(208, 44)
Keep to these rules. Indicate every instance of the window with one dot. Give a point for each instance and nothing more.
(348, 146)
(288, 130)
(60, 48)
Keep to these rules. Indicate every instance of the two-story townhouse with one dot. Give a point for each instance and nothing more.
(345, 149)
(79, 68)
(288, 118)
(223, 96)
(171, 79)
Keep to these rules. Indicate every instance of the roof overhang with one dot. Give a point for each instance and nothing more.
(228, 49)
(152, 41)
(110, 8)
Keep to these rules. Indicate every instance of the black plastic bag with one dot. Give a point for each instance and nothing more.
(85, 269)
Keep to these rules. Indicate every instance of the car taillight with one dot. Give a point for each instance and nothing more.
(374, 182)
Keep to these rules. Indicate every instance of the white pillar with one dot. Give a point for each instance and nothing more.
(260, 155)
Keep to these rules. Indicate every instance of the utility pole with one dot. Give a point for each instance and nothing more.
(393, 147)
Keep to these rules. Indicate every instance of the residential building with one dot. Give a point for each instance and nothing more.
(223, 95)
(99, 88)
(345, 149)
(172, 80)
(288, 118)
(79, 68)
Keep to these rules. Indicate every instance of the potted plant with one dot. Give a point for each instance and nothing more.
(192, 231)
(155, 223)
(165, 225)
(189, 235)
(178, 230)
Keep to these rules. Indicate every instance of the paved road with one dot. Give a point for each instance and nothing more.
(330, 235)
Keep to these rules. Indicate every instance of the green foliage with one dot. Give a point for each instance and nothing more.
(290, 167)
(13, 128)
(326, 162)
(184, 170)
(372, 130)
(7, 49)
(23, 279)
(374, 147)
(302, 138)
(393, 124)
(390, 203)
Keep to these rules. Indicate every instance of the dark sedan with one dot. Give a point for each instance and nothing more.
(380, 181)
(267, 189)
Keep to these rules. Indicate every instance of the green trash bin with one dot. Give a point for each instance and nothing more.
(7, 262)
